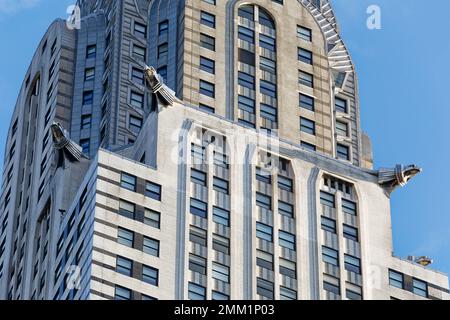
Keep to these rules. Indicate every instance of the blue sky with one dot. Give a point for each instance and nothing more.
(403, 72)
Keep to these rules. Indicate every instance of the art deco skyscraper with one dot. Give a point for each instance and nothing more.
(243, 175)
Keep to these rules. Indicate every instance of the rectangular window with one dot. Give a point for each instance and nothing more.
(219, 296)
(342, 128)
(198, 177)
(287, 294)
(207, 65)
(267, 42)
(343, 152)
(328, 224)
(268, 88)
(137, 100)
(207, 19)
(122, 293)
(268, 112)
(288, 268)
(163, 50)
(350, 233)
(352, 295)
(125, 237)
(89, 74)
(128, 181)
(197, 264)
(85, 145)
(264, 260)
(221, 244)
(420, 288)
(126, 209)
(307, 126)
(163, 28)
(220, 272)
(207, 89)
(304, 33)
(124, 266)
(349, 207)
(287, 240)
(196, 292)
(221, 216)
(151, 246)
(306, 102)
(327, 199)
(307, 146)
(197, 235)
(88, 97)
(306, 79)
(305, 56)
(140, 30)
(207, 42)
(352, 264)
(150, 275)
(331, 287)
(86, 121)
(264, 288)
(220, 185)
(139, 51)
(246, 104)
(153, 190)
(263, 201)
(286, 209)
(330, 256)
(246, 34)
(246, 80)
(199, 208)
(91, 51)
(206, 108)
(162, 71)
(137, 76)
(135, 124)
(285, 183)
(396, 279)
(152, 218)
(263, 231)
(263, 176)
(341, 105)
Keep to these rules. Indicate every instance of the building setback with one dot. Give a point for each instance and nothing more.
(245, 176)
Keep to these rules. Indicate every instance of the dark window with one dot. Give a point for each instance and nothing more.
(207, 89)
(150, 275)
(307, 146)
(140, 30)
(263, 201)
(128, 181)
(396, 279)
(199, 208)
(207, 42)
(246, 34)
(197, 264)
(341, 105)
(153, 190)
(352, 264)
(350, 233)
(420, 288)
(328, 224)
(91, 51)
(122, 293)
(88, 97)
(135, 124)
(208, 19)
(207, 65)
(304, 33)
(220, 185)
(126, 209)
(286, 240)
(307, 126)
(196, 292)
(263, 231)
(86, 121)
(198, 177)
(264, 288)
(343, 152)
(152, 218)
(85, 145)
(349, 207)
(306, 79)
(163, 27)
(124, 266)
(221, 216)
(163, 50)
(330, 256)
(305, 56)
(286, 209)
(327, 199)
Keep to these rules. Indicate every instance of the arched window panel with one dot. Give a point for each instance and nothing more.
(265, 19)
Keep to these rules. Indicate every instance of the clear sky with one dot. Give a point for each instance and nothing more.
(403, 72)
